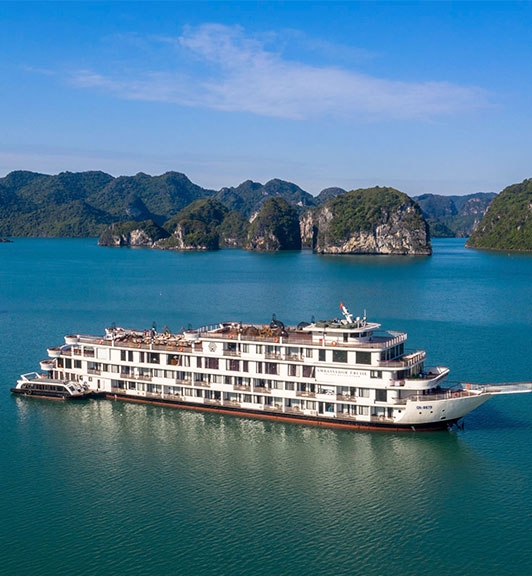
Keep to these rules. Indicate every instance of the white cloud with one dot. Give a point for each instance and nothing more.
(220, 67)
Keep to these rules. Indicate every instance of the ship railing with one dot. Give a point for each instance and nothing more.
(232, 403)
(93, 371)
(212, 401)
(455, 392)
(293, 357)
(273, 408)
(202, 383)
(232, 353)
(405, 361)
(305, 394)
(346, 397)
(241, 388)
(293, 410)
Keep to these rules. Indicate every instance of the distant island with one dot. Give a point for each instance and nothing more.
(170, 212)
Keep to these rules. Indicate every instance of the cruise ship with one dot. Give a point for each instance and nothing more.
(345, 372)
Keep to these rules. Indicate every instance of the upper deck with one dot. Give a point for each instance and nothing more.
(236, 332)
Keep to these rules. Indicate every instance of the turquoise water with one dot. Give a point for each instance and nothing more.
(112, 488)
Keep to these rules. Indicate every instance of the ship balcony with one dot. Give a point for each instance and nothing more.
(231, 403)
(346, 397)
(54, 352)
(262, 390)
(424, 380)
(405, 361)
(212, 401)
(241, 388)
(273, 408)
(305, 394)
(47, 365)
(202, 384)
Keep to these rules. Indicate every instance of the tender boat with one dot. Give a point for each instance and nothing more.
(42, 386)
(345, 372)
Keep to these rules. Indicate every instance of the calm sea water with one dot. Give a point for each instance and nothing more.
(111, 488)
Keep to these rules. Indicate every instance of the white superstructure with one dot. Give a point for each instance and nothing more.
(343, 372)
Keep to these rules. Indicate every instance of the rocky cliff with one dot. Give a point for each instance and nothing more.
(371, 221)
(276, 227)
(135, 234)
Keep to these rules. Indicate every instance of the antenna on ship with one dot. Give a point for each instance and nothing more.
(345, 312)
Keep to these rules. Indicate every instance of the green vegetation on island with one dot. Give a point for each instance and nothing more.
(507, 225)
(195, 227)
(377, 220)
(276, 227)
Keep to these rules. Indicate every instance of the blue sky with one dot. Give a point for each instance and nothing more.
(427, 97)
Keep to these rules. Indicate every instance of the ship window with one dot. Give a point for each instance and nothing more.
(292, 370)
(375, 373)
(259, 368)
(271, 368)
(339, 355)
(363, 392)
(244, 348)
(308, 352)
(211, 363)
(154, 358)
(290, 386)
(245, 366)
(363, 357)
(123, 355)
(259, 348)
(77, 363)
(141, 356)
(380, 395)
(308, 371)
(233, 365)
(321, 355)
(198, 362)
(363, 410)
(130, 355)
(68, 363)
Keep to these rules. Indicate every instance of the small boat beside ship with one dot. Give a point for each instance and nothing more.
(345, 372)
(43, 386)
